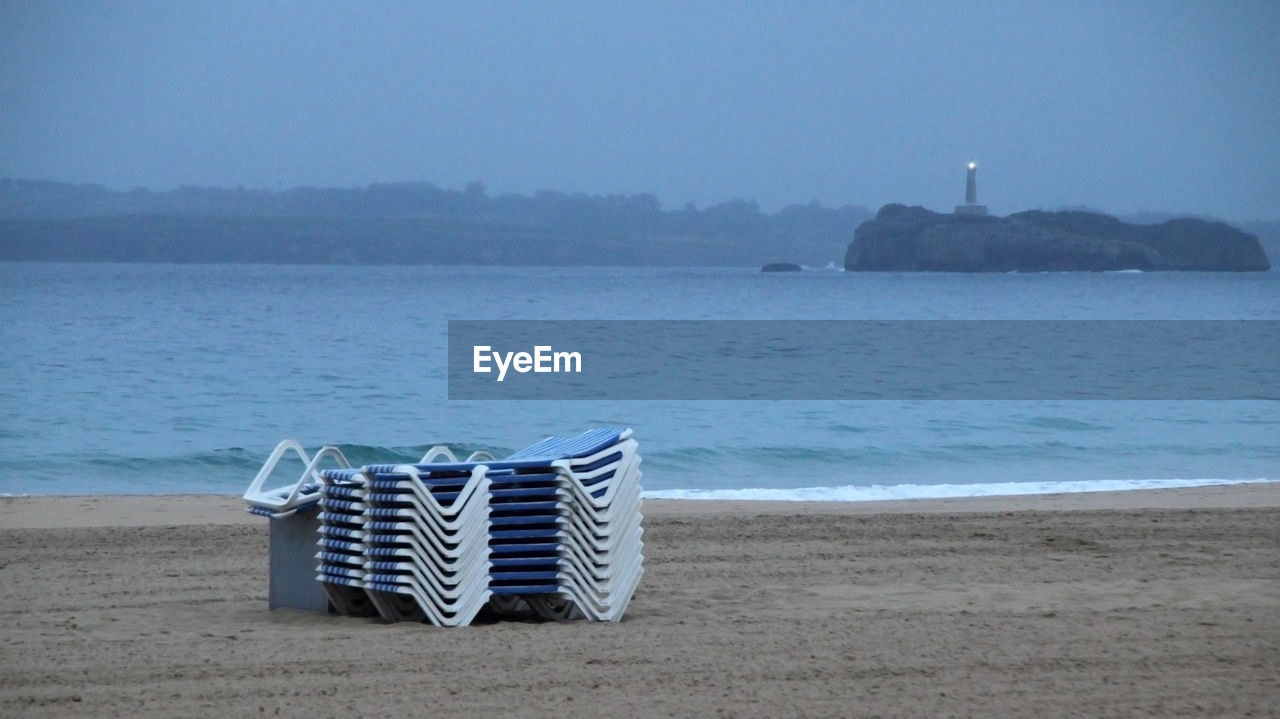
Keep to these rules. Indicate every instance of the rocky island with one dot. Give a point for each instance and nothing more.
(914, 239)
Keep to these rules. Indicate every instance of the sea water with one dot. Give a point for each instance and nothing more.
(181, 378)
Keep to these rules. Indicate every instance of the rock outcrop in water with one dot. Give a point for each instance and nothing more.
(781, 267)
(913, 239)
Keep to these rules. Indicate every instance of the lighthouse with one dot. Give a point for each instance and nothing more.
(971, 206)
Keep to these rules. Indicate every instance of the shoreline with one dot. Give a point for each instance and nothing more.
(145, 510)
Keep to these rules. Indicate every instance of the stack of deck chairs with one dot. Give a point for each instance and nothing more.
(554, 528)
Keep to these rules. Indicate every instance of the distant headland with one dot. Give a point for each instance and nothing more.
(406, 224)
(421, 224)
(913, 239)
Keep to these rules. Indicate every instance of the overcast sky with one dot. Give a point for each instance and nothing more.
(1121, 106)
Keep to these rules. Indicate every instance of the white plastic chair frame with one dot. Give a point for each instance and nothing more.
(287, 496)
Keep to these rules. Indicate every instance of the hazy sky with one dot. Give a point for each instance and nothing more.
(1122, 106)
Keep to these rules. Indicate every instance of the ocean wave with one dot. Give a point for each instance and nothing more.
(241, 458)
(1078, 446)
(876, 493)
(815, 472)
(218, 471)
(1066, 424)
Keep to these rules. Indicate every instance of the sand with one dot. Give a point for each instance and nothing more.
(1154, 603)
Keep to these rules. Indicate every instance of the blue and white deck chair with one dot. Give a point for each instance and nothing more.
(574, 553)
(406, 539)
(555, 527)
(536, 541)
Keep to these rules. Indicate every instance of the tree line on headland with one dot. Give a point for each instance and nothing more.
(405, 223)
(420, 223)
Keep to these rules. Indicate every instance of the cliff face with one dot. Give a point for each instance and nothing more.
(913, 239)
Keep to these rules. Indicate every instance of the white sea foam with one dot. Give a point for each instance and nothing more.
(849, 493)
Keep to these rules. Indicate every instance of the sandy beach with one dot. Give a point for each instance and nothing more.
(1153, 603)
